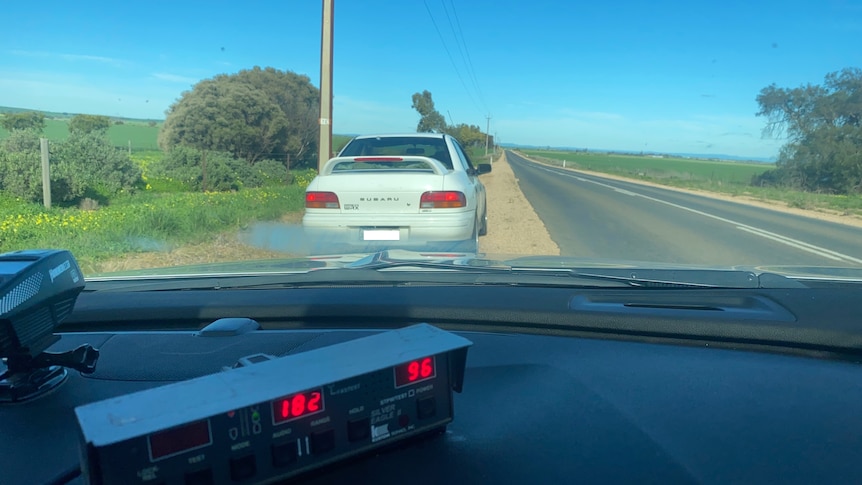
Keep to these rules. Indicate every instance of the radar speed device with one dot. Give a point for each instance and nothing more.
(38, 289)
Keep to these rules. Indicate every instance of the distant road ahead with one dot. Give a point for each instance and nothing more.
(595, 217)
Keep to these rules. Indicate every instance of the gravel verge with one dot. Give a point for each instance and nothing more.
(513, 226)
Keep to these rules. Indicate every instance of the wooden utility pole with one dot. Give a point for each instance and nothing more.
(325, 145)
(46, 173)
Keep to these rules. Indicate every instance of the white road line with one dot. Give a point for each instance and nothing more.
(791, 242)
(626, 192)
(795, 243)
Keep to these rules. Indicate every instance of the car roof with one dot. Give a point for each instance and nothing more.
(399, 135)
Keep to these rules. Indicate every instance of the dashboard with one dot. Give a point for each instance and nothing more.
(560, 384)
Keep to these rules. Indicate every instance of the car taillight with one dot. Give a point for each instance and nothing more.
(321, 200)
(442, 200)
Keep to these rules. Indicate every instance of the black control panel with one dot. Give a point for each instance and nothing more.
(322, 406)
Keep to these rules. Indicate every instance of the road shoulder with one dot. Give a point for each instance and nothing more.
(514, 228)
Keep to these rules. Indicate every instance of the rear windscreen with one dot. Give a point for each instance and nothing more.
(401, 145)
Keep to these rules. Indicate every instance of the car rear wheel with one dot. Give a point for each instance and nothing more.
(471, 245)
(483, 231)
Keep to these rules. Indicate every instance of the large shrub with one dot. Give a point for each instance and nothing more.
(186, 165)
(84, 165)
(93, 166)
(223, 172)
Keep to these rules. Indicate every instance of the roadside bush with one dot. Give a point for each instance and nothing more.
(20, 174)
(770, 178)
(267, 173)
(20, 165)
(185, 165)
(22, 141)
(84, 165)
(93, 167)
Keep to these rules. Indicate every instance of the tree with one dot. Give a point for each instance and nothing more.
(299, 100)
(223, 115)
(431, 119)
(254, 114)
(83, 124)
(823, 126)
(23, 121)
(467, 135)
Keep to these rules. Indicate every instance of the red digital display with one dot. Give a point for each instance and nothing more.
(415, 371)
(180, 439)
(297, 406)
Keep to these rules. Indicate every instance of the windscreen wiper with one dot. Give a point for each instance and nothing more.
(633, 277)
(476, 272)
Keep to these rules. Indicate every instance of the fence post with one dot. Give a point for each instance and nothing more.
(46, 173)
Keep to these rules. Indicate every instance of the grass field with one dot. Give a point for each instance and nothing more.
(144, 222)
(656, 168)
(729, 178)
(140, 134)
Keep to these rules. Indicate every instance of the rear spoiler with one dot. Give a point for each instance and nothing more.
(431, 163)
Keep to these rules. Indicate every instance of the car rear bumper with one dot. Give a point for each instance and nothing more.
(402, 230)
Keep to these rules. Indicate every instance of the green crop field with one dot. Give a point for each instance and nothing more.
(657, 168)
(140, 134)
(338, 142)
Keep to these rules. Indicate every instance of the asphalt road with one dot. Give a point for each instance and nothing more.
(595, 217)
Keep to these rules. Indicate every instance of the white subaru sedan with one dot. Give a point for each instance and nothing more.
(417, 191)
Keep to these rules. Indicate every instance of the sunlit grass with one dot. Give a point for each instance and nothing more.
(143, 222)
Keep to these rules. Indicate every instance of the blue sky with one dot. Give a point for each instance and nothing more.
(676, 76)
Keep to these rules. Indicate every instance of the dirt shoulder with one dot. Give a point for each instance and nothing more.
(778, 206)
(513, 226)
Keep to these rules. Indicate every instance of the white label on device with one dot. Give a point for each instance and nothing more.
(379, 432)
(59, 269)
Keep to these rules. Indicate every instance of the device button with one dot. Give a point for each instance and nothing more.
(284, 454)
(200, 477)
(426, 408)
(358, 430)
(242, 467)
(323, 441)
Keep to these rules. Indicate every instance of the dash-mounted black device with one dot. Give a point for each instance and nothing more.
(38, 289)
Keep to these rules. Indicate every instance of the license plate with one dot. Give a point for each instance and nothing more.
(381, 235)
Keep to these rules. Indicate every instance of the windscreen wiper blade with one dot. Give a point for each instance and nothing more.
(401, 274)
(688, 278)
(635, 277)
(377, 270)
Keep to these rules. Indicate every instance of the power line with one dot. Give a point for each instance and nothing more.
(465, 53)
(449, 54)
(455, 35)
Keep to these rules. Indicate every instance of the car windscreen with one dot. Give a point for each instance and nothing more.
(402, 145)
